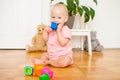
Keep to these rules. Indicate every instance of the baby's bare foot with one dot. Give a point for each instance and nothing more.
(47, 62)
(37, 61)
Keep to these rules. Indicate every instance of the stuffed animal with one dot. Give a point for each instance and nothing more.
(96, 46)
(38, 44)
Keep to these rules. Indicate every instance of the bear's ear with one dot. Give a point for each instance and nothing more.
(38, 27)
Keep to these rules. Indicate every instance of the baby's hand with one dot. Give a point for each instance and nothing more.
(48, 28)
(60, 26)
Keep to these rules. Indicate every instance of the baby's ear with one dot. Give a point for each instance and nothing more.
(66, 19)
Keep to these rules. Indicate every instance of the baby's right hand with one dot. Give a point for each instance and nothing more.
(48, 28)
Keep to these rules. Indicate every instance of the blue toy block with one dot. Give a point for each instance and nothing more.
(28, 70)
(54, 25)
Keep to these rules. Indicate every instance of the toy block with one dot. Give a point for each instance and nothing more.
(37, 69)
(28, 70)
(44, 77)
(54, 25)
(47, 71)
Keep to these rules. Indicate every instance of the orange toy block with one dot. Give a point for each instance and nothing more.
(37, 69)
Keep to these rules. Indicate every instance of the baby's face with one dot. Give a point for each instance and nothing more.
(58, 15)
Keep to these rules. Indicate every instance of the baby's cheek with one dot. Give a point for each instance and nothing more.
(51, 20)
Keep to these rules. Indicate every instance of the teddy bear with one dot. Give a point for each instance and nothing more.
(95, 44)
(38, 44)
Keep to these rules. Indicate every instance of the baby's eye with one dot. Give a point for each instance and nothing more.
(53, 17)
(59, 17)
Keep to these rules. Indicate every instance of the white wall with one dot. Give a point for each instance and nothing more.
(19, 18)
(106, 23)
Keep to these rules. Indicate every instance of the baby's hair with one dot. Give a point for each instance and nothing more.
(61, 6)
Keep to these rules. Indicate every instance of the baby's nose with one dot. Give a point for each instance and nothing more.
(56, 20)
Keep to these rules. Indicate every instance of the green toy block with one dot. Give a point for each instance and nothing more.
(28, 70)
(44, 77)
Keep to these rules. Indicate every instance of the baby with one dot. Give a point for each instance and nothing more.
(58, 41)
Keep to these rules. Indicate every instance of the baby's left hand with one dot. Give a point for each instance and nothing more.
(60, 26)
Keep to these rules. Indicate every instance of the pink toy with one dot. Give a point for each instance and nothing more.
(47, 71)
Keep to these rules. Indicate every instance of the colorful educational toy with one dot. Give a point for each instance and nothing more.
(54, 25)
(37, 69)
(28, 70)
(42, 72)
(47, 71)
(44, 77)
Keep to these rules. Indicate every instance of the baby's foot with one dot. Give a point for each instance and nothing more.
(37, 61)
(47, 62)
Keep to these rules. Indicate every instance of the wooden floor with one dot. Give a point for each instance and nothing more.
(103, 65)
